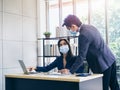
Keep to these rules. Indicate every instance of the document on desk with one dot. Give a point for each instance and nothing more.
(58, 74)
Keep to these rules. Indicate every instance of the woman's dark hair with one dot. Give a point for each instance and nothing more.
(70, 51)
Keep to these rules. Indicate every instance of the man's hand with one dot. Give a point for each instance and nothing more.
(64, 71)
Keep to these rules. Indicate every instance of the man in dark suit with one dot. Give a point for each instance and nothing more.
(93, 48)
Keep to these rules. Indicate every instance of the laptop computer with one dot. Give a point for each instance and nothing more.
(24, 68)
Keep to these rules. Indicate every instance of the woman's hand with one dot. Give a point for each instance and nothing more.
(31, 69)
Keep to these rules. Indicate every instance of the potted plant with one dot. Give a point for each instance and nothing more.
(47, 34)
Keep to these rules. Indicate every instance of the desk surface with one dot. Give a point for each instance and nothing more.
(55, 77)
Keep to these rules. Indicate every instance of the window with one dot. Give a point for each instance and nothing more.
(82, 10)
(67, 8)
(97, 17)
(103, 14)
(53, 16)
(114, 30)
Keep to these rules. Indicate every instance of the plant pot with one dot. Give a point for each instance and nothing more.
(47, 36)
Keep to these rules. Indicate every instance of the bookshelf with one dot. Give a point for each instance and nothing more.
(49, 47)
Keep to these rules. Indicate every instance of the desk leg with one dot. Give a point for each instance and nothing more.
(94, 84)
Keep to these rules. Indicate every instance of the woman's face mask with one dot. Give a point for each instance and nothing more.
(64, 49)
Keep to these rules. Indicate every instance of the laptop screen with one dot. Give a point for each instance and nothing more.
(23, 66)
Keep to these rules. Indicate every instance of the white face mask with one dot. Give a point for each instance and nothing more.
(64, 49)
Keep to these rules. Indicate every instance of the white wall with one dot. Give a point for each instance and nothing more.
(18, 27)
(41, 15)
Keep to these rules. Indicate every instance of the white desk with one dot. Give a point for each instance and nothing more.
(53, 82)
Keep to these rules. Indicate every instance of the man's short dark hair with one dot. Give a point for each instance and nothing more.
(72, 19)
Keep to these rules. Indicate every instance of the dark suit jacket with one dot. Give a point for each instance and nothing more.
(93, 48)
(58, 62)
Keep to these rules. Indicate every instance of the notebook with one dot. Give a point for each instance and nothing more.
(24, 68)
(83, 74)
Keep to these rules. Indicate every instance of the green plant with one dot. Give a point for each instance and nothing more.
(47, 33)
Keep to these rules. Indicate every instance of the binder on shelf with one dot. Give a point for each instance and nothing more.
(74, 49)
(47, 50)
(51, 50)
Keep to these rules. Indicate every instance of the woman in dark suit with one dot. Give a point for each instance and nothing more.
(62, 62)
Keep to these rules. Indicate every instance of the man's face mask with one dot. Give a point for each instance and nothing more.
(73, 32)
(64, 49)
